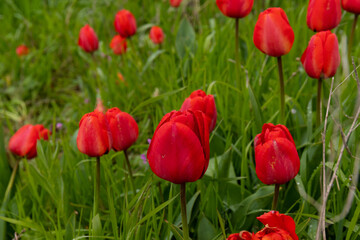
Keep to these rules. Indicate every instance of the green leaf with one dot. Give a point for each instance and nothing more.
(185, 42)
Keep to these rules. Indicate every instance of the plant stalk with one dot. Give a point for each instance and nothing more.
(352, 35)
(318, 103)
(183, 211)
(97, 187)
(11, 182)
(282, 91)
(276, 196)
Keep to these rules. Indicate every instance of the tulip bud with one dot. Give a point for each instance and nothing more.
(123, 127)
(277, 160)
(198, 100)
(118, 45)
(179, 150)
(175, 3)
(321, 58)
(323, 15)
(94, 138)
(352, 6)
(273, 34)
(88, 40)
(125, 23)
(23, 142)
(235, 8)
(156, 35)
(277, 224)
(22, 50)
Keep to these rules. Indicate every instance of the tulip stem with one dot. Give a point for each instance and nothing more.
(351, 40)
(183, 211)
(97, 187)
(276, 195)
(318, 103)
(237, 59)
(129, 170)
(11, 182)
(282, 91)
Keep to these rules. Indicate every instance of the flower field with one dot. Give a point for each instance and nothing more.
(170, 119)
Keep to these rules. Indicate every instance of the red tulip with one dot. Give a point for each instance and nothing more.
(198, 100)
(125, 23)
(179, 149)
(118, 45)
(277, 225)
(156, 35)
(273, 34)
(88, 40)
(23, 142)
(321, 58)
(94, 137)
(175, 3)
(277, 160)
(22, 50)
(352, 6)
(123, 127)
(235, 8)
(234, 236)
(323, 15)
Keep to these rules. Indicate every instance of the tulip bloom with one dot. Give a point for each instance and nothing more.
(277, 160)
(23, 142)
(235, 8)
(88, 40)
(123, 127)
(125, 23)
(175, 3)
(22, 50)
(179, 149)
(156, 35)
(94, 138)
(323, 15)
(198, 100)
(273, 34)
(118, 45)
(321, 58)
(234, 236)
(352, 6)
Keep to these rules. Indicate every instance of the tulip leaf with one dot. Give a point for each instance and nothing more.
(205, 229)
(96, 226)
(185, 39)
(175, 230)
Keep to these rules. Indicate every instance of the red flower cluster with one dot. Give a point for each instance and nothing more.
(277, 227)
(23, 142)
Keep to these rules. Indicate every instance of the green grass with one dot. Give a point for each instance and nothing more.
(52, 197)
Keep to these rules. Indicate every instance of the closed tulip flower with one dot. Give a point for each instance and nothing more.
(118, 45)
(23, 142)
(277, 160)
(22, 50)
(321, 58)
(352, 6)
(198, 100)
(88, 40)
(235, 8)
(175, 3)
(156, 35)
(94, 138)
(123, 127)
(323, 15)
(273, 34)
(179, 149)
(125, 23)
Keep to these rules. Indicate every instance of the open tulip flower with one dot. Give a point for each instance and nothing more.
(198, 100)
(323, 15)
(22, 50)
(23, 142)
(277, 227)
(118, 45)
(274, 36)
(320, 60)
(88, 40)
(276, 158)
(125, 23)
(156, 35)
(179, 151)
